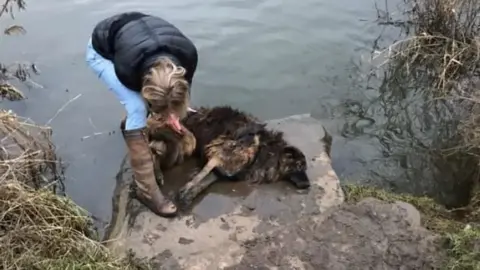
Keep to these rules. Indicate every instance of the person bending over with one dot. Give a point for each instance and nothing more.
(149, 65)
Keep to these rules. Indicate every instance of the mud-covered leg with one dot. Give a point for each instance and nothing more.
(173, 154)
(194, 191)
(199, 183)
(159, 150)
(172, 149)
(180, 149)
(188, 142)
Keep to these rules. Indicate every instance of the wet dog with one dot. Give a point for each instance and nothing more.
(236, 145)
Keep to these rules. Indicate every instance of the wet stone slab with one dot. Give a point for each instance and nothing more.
(369, 235)
(212, 234)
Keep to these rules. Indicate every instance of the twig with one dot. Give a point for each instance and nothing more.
(5, 7)
(62, 108)
(91, 123)
(93, 135)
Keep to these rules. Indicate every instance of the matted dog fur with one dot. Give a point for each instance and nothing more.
(235, 145)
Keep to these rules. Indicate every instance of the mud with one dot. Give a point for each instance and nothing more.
(212, 233)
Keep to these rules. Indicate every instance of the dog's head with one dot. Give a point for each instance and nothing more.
(293, 165)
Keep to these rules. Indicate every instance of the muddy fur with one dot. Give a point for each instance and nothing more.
(237, 145)
(169, 147)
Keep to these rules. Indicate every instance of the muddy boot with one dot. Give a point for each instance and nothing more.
(141, 160)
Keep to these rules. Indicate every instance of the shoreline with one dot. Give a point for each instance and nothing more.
(460, 234)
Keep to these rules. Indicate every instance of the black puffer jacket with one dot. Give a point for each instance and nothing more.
(133, 41)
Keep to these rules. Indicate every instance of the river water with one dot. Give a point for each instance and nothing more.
(272, 58)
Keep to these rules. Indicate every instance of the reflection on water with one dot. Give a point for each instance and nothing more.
(415, 132)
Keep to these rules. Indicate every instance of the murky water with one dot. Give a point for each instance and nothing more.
(272, 58)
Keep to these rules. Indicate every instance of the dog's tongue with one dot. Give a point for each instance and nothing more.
(175, 122)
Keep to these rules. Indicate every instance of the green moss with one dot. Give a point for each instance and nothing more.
(462, 240)
(434, 216)
(73, 264)
(475, 205)
(464, 249)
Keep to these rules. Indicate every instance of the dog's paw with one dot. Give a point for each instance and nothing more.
(185, 196)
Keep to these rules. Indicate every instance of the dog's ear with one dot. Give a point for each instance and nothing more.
(291, 150)
(293, 153)
(259, 126)
(249, 130)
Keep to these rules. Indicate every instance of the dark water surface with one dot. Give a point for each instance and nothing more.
(272, 58)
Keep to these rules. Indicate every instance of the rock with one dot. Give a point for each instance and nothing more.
(369, 235)
(218, 225)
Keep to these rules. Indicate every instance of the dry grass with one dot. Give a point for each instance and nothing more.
(26, 152)
(428, 87)
(444, 54)
(430, 93)
(41, 230)
(38, 228)
(445, 45)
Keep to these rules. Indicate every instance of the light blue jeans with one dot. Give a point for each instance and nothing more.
(132, 101)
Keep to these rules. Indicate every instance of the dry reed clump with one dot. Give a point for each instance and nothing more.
(26, 152)
(440, 60)
(41, 230)
(455, 50)
(445, 45)
(38, 228)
